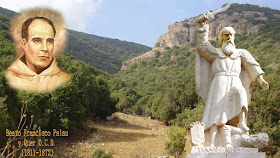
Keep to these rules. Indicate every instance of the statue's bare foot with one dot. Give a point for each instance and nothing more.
(243, 126)
(229, 148)
(212, 147)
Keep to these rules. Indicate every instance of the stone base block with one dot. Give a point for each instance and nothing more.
(226, 155)
(197, 149)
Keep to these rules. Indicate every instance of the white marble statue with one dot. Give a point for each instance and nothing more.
(223, 79)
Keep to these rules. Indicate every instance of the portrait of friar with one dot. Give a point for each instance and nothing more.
(39, 35)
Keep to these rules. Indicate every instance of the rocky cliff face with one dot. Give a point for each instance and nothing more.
(138, 59)
(244, 19)
(244, 22)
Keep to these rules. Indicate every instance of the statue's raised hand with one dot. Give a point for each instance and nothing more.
(202, 19)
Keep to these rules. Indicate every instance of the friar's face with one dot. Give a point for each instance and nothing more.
(228, 45)
(229, 37)
(39, 45)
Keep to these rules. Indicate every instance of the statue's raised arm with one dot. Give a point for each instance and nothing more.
(204, 47)
(203, 29)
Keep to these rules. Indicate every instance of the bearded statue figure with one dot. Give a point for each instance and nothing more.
(223, 79)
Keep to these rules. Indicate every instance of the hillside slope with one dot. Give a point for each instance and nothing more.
(101, 52)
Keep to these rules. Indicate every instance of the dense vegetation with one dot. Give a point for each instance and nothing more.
(163, 87)
(7, 12)
(86, 96)
(101, 52)
(248, 7)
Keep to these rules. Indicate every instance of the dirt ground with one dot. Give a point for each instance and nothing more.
(125, 136)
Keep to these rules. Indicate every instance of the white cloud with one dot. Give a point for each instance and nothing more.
(75, 12)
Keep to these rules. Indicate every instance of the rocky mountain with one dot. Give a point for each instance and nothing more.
(103, 53)
(244, 18)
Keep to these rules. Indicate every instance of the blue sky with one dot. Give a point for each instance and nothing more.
(139, 21)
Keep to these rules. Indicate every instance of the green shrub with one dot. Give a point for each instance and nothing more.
(157, 53)
(166, 48)
(133, 66)
(234, 21)
(98, 153)
(138, 109)
(193, 43)
(188, 116)
(187, 25)
(255, 21)
(122, 104)
(151, 62)
(93, 130)
(157, 44)
(177, 141)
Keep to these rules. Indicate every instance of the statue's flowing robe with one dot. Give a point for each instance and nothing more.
(20, 77)
(223, 81)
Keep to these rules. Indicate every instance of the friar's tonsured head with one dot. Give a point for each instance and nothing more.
(26, 24)
(20, 27)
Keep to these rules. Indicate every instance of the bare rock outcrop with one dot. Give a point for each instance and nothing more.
(180, 33)
(138, 59)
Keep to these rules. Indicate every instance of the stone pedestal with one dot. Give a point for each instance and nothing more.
(221, 152)
(226, 155)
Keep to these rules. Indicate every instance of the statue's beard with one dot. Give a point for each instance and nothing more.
(228, 47)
